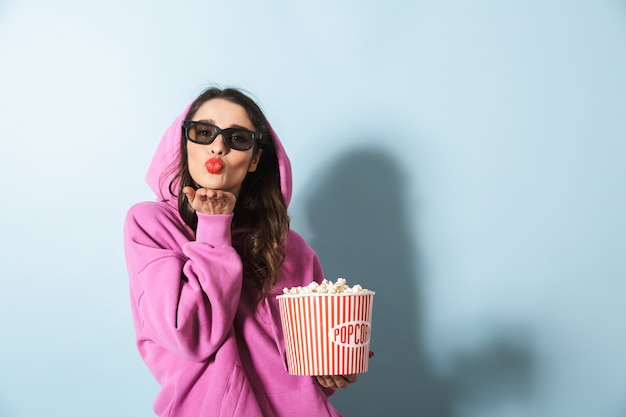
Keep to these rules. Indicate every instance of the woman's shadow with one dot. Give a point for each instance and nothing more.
(360, 228)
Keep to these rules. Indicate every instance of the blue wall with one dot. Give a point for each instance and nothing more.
(463, 159)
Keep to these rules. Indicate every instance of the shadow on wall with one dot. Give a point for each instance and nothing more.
(498, 373)
(359, 219)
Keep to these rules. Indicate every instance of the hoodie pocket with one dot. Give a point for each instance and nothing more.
(234, 392)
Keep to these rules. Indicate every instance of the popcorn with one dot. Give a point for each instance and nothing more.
(327, 287)
(326, 327)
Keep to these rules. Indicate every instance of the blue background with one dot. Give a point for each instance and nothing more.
(465, 160)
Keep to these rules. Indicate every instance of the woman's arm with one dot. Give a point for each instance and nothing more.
(184, 292)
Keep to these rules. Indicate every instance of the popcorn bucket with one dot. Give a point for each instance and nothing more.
(326, 334)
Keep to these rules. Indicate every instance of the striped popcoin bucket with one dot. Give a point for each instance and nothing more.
(327, 334)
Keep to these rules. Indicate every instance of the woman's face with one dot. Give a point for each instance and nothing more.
(215, 166)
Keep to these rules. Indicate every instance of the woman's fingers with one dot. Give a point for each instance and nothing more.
(210, 201)
(337, 381)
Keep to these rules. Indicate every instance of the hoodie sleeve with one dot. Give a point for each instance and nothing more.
(184, 292)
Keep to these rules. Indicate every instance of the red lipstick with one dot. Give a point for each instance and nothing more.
(214, 165)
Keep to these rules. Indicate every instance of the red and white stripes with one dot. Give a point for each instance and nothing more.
(326, 334)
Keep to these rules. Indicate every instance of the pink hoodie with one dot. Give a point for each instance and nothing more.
(198, 328)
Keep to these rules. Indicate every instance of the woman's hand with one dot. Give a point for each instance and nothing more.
(210, 201)
(338, 381)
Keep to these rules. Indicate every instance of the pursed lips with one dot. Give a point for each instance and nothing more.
(214, 165)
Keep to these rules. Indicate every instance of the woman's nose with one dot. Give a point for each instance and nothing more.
(218, 146)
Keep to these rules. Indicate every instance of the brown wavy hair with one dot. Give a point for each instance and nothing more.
(260, 223)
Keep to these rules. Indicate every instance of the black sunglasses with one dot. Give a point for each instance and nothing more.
(204, 133)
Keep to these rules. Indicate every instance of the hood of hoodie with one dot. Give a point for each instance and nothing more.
(159, 174)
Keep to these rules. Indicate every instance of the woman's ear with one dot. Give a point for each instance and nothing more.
(255, 160)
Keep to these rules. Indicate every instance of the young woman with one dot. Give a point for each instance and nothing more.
(206, 261)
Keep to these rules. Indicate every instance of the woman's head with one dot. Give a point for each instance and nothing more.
(246, 173)
(260, 213)
(221, 146)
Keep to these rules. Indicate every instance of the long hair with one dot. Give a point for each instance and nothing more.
(260, 222)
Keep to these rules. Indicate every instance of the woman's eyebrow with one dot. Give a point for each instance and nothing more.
(234, 126)
(240, 127)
